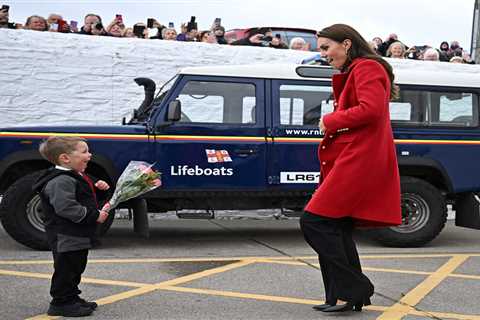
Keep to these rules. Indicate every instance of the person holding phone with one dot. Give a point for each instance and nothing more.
(116, 28)
(219, 33)
(4, 17)
(89, 22)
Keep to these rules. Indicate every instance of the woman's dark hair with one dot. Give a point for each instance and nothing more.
(359, 48)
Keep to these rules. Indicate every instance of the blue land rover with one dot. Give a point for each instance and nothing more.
(245, 137)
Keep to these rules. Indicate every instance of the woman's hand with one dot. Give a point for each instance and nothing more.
(322, 126)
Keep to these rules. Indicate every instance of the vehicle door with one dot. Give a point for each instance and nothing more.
(439, 126)
(297, 107)
(220, 141)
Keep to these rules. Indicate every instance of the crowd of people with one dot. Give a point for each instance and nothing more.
(93, 25)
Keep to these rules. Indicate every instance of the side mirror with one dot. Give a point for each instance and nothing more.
(174, 110)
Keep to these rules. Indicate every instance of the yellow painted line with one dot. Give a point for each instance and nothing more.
(464, 276)
(180, 280)
(201, 259)
(84, 279)
(299, 263)
(403, 307)
(42, 317)
(152, 287)
(262, 297)
(25, 274)
(445, 315)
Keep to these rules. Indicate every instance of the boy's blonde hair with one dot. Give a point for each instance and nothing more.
(54, 146)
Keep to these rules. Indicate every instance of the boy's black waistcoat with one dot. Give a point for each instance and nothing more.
(55, 224)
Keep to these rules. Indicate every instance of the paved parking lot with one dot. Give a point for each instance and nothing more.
(244, 269)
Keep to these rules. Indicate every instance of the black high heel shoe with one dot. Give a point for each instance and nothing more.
(349, 306)
(321, 307)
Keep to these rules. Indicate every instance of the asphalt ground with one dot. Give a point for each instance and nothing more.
(244, 269)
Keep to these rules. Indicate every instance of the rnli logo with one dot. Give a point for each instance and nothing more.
(215, 156)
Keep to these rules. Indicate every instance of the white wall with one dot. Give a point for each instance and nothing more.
(52, 78)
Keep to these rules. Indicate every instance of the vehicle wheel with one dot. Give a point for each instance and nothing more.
(21, 212)
(424, 214)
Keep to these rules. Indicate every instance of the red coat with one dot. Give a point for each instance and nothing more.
(359, 171)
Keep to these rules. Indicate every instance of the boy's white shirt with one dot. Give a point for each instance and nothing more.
(62, 168)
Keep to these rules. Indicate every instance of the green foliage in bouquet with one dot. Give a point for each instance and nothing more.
(137, 179)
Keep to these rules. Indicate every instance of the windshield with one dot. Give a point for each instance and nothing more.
(163, 91)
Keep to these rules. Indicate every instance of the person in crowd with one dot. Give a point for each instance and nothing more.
(57, 24)
(89, 22)
(219, 33)
(457, 59)
(36, 23)
(431, 54)
(298, 43)
(206, 36)
(128, 33)
(382, 48)
(4, 20)
(115, 28)
(259, 37)
(377, 40)
(396, 50)
(71, 215)
(359, 185)
(191, 33)
(140, 30)
(277, 42)
(444, 46)
(444, 49)
(455, 49)
(169, 34)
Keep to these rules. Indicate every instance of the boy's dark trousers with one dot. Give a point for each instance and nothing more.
(339, 262)
(69, 267)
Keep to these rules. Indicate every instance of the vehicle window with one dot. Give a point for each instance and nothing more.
(456, 108)
(434, 108)
(302, 105)
(217, 102)
(308, 37)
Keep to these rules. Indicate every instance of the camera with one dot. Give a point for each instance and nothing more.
(138, 31)
(266, 38)
(171, 25)
(99, 26)
(150, 23)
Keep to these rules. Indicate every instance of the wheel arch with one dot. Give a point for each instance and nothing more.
(426, 169)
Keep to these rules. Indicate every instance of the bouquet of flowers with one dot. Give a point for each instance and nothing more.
(137, 178)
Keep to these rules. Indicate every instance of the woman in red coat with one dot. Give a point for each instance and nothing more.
(360, 184)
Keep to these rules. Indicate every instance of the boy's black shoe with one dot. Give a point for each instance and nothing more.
(69, 310)
(89, 304)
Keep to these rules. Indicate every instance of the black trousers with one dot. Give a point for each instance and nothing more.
(338, 257)
(67, 275)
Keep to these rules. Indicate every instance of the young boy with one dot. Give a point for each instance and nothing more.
(71, 215)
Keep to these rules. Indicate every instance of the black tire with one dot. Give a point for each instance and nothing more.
(424, 214)
(20, 213)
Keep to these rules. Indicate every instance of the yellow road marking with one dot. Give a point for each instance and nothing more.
(176, 281)
(403, 307)
(84, 279)
(157, 260)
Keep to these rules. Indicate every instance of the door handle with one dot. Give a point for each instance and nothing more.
(245, 152)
